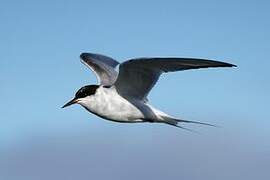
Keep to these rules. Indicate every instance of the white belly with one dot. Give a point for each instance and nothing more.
(108, 104)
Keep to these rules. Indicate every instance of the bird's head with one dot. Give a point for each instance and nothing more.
(82, 94)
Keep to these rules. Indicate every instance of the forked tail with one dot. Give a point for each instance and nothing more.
(175, 122)
(165, 118)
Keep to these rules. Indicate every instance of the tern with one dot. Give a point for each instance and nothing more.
(122, 96)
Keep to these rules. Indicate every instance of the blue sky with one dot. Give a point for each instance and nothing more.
(40, 70)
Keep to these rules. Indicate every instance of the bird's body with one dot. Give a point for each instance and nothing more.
(122, 97)
(108, 104)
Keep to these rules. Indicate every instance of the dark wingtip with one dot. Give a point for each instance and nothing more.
(225, 64)
(233, 65)
(83, 55)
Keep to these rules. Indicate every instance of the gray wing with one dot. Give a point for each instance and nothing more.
(138, 76)
(102, 66)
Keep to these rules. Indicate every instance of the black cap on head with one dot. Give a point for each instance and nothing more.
(81, 93)
(86, 91)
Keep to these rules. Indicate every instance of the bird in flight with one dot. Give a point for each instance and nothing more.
(122, 96)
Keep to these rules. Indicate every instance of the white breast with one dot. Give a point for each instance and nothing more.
(108, 104)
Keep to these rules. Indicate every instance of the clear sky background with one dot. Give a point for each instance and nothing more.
(40, 44)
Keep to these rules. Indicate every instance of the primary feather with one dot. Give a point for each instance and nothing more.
(138, 76)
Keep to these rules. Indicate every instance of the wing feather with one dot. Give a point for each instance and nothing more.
(102, 66)
(138, 76)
